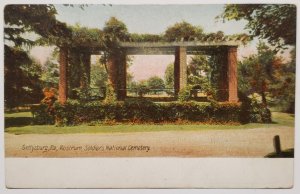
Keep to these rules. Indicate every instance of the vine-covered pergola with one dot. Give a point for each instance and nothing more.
(116, 63)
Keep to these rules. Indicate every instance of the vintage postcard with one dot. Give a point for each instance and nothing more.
(177, 95)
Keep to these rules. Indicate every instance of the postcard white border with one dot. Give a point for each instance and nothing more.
(45, 171)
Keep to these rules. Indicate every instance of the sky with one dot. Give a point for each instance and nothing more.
(149, 19)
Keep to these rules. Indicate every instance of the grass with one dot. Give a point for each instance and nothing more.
(19, 123)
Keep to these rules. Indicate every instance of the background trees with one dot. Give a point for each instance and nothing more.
(183, 31)
(265, 72)
(156, 83)
(22, 74)
(274, 22)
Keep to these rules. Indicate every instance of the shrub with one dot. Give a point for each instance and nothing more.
(110, 94)
(184, 94)
(44, 113)
(141, 110)
(252, 109)
(41, 115)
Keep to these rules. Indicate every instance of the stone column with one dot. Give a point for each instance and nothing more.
(122, 66)
(63, 64)
(222, 59)
(232, 74)
(180, 69)
(112, 66)
(228, 75)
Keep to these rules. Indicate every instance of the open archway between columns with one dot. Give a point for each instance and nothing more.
(117, 68)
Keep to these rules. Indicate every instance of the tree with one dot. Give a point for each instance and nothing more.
(39, 19)
(142, 88)
(273, 22)
(21, 78)
(183, 31)
(199, 70)
(259, 72)
(156, 83)
(199, 74)
(283, 90)
(50, 71)
(98, 75)
(113, 32)
(169, 76)
(21, 72)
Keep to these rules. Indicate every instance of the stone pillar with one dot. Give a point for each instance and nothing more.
(222, 59)
(227, 90)
(63, 85)
(112, 66)
(232, 75)
(180, 69)
(117, 71)
(122, 66)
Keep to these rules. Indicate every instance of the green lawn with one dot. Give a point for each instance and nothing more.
(19, 123)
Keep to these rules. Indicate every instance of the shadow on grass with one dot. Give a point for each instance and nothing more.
(17, 121)
(289, 153)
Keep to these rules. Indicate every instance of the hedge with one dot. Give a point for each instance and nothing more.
(74, 113)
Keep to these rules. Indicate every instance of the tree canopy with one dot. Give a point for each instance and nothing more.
(39, 19)
(274, 22)
(183, 31)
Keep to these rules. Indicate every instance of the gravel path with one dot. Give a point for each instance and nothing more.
(207, 143)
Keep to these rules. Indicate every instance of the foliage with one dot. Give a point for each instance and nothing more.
(282, 91)
(50, 71)
(21, 75)
(50, 96)
(258, 111)
(98, 75)
(83, 94)
(169, 76)
(274, 22)
(259, 72)
(252, 109)
(110, 94)
(199, 73)
(134, 37)
(156, 83)
(184, 94)
(183, 31)
(39, 19)
(44, 113)
(141, 88)
(83, 36)
(41, 116)
(140, 110)
(114, 30)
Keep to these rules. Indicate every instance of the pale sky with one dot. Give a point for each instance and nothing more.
(149, 19)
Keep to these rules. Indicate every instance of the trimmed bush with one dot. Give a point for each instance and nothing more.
(140, 110)
(252, 110)
(41, 115)
(184, 94)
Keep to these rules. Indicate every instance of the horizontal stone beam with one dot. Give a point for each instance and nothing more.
(176, 44)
